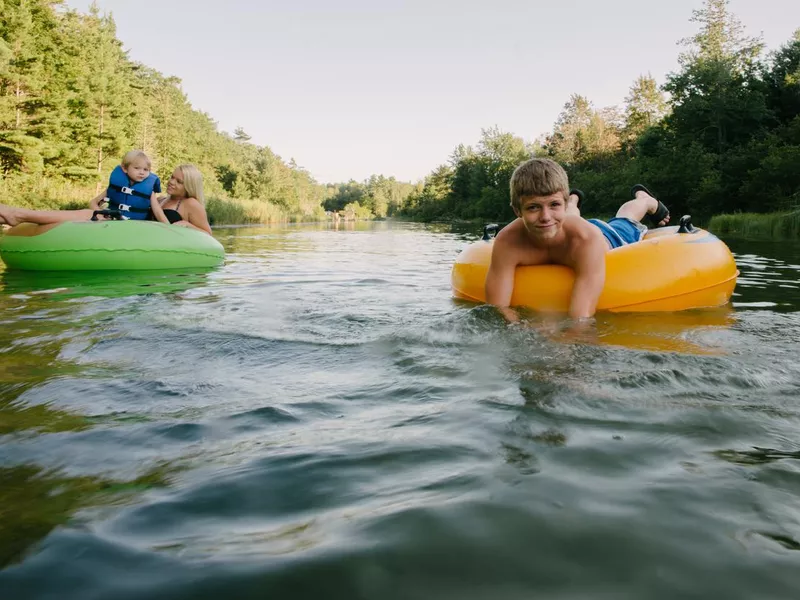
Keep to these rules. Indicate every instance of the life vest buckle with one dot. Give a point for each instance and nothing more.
(124, 207)
(126, 190)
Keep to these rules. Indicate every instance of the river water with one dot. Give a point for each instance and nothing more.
(319, 419)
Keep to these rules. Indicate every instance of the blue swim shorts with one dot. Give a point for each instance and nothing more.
(620, 231)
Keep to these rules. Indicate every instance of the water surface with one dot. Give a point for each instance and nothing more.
(318, 418)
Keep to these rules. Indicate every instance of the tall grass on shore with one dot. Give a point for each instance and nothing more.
(222, 211)
(785, 225)
(44, 193)
(47, 194)
(240, 212)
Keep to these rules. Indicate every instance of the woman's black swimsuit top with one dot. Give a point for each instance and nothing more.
(172, 214)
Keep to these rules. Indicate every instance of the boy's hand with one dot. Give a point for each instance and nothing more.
(97, 202)
(580, 331)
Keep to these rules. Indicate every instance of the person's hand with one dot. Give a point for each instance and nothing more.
(509, 314)
(97, 202)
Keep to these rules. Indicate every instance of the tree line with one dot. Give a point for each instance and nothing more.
(721, 135)
(376, 197)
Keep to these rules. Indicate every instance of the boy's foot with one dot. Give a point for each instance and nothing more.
(577, 197)
(659, 216)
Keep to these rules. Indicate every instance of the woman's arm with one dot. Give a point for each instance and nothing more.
(196, 216)
(158, 212)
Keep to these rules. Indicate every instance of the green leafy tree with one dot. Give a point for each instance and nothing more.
(782, 78)
(582, 132)
(645, 106)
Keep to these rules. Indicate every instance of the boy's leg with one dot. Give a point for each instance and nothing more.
(643, 204)
(13, 215)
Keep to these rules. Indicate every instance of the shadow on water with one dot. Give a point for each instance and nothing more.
(756, 456)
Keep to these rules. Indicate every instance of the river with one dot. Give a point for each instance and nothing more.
(320, 419)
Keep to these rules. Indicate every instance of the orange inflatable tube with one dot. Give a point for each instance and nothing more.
(667, 271)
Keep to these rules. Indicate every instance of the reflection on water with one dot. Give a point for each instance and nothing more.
(770, 275)
(688, 332)
(319, 418)
(109, 284)
(35, 501)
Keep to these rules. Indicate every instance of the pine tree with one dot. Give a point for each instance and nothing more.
(25, 29)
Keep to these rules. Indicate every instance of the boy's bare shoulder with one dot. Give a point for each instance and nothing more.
(506, 249)
(578, 228)
(582, 237)
(508, 240)
(509, 235)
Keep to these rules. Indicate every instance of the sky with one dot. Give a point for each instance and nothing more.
(351, 88)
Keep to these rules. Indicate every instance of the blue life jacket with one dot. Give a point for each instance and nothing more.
(132, 200)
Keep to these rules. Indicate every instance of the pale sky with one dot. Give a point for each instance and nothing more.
(351, 88)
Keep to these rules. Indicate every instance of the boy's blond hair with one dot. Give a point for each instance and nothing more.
(133, 155)
(192, 182)
(538, 177)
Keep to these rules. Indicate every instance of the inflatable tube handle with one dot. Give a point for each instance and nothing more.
(490, 228)
(686, 225)
(113, 214)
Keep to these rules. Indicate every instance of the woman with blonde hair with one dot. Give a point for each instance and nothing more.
(183, 206)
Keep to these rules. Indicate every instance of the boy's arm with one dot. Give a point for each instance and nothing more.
(155, 208)
(500, 277)
(590, 274)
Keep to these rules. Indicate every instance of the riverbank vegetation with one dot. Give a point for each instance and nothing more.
(771, 226)
(378, 196)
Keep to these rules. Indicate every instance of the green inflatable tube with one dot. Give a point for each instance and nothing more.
(108, 246)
